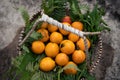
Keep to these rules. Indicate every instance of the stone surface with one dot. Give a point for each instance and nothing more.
(11, 22)
(5, 58)
(112, 18)
(10, 25)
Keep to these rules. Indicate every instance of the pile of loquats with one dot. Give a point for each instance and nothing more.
(61, 47)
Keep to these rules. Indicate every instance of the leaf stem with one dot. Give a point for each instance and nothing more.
(82, 71)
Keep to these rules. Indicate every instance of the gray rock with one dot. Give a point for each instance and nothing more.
(11, 20)
(112, 18)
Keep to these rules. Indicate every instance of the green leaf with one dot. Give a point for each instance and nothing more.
(71, 66)
(23, 61)
(17, 61)
(26, 59)
(25, 48)
(67, 67)
(25, 15)
(102, 27)
(30, 67)
(84, 7)
(35, 35)
(25, 75)
(36, 76)
(74, 7)
(93, 20)
(54, 8)
(83, 68)
(36, 67)
(89, 77)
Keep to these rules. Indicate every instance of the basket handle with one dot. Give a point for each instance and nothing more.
(50, 20)
(60, 25)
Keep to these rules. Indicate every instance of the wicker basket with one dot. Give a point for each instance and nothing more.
(82, 34)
